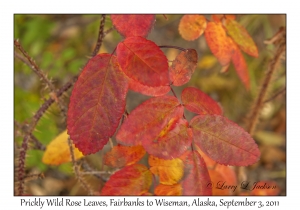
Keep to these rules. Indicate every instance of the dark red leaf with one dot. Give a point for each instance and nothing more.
(183, 67)
(224, 141)
(130, 180)
(146, 121)
(196, 101)
(196, 176)
(133, 25)
(97, 103)
(143, 61)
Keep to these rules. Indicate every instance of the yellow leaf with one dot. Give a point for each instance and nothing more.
(58, 152)
(169, 171)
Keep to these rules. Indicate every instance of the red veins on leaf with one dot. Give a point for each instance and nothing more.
(120, 156)
(196, 175)
(218, 42)
(143, 61)
(196, 101)
(192, 26)
(147, 120)
(133, 25)
(170, 143)
(135, 179)
(183, 67)
(97, 103)
(149, 91)
(224, 141)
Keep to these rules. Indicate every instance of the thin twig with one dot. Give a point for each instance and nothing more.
(100, 36)
(175, 47)
(282, 91)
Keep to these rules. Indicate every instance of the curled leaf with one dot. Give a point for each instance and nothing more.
(183, 67)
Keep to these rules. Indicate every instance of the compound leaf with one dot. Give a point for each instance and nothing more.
(224, 141)
(143, 61)
(240, 35)
(134, 179)
(171, 143)
(169, 171)
(196, 175)
(183, 67)
(97, 103)
(133, 25)
(58, 151)
(120, 156)
(196, 101)
(218, 42)
(147, 120)
(192, 26)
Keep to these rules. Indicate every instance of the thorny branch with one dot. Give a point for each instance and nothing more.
(44, 108)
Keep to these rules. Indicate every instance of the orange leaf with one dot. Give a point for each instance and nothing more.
(135, 179)
(183, 67)
(147, 120)
(58, 152)
(224, 141)
(196, 176)
(97, 103)
(170, 143)
(169, 171)
(196, 101)
(192, 26)
(149, 91)
(133, 25)
(240, 65)
(162, 189)
(143, 61)
(218, 42)
(121, 156)
(240, 35)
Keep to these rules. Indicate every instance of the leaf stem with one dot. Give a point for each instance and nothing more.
(174, 47)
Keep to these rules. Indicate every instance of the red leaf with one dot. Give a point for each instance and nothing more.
(218, 42)
(240, 65)
(192, 26)
(146, 121)
(170, 144)
(130, 180)
(224, 141)
(143, 61)
(133, 25)
(120, 156)
(196, 101)
(97, 103)
(197, 177)
(149, 91)
(183, 67)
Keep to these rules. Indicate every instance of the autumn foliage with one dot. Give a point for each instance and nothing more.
(179, 152)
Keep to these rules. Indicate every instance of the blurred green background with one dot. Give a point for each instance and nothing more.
(62, 44)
